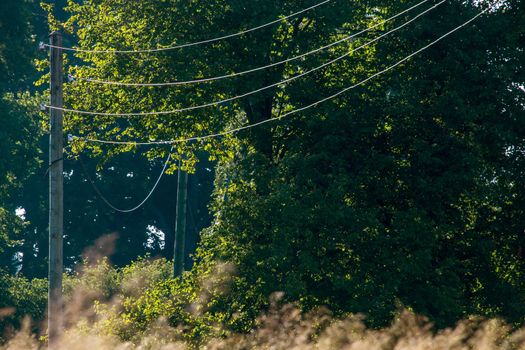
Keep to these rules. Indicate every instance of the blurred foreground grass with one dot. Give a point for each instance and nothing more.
(141, 307)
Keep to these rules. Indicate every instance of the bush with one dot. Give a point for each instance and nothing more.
(21, 298)
(130, 302)
(141, 306)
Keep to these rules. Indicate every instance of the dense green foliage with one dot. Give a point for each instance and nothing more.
(406, 192)
(391, 195)
(129, 302)
(23, 170)
(110, 308)
(125, 181)
(21, 299)
(19, 134)
(19, 129)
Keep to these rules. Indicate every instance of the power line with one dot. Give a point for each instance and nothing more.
(231, 75)
(268, 120)
(109, 204)
(283, 82)
(159, 49)
(232, 131)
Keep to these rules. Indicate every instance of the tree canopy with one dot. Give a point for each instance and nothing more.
(403, 192)
(391, 195)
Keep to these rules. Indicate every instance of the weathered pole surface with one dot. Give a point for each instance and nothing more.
(56, 192)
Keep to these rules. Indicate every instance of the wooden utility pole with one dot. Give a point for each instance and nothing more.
(180, 223)
(56, 192)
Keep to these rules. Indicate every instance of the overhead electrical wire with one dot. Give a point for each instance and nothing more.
(269, 120)
(180, 46)
(150, 193)
(235, 74)
(231, 131)
(283, 82)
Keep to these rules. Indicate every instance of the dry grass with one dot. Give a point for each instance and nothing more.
(283, 327)
(288, 328)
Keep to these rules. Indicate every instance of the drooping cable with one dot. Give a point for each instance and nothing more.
(249, 126)
(180, 46)
(283, 82)
(109, 204)
(235, 74)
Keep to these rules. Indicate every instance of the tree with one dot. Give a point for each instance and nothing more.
(87, 217)
(392, 196)
(387, 196)
(19, 131)
(125, 181)
(19, 154)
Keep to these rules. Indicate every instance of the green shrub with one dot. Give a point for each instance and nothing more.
(148, 294)
(21, 298)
